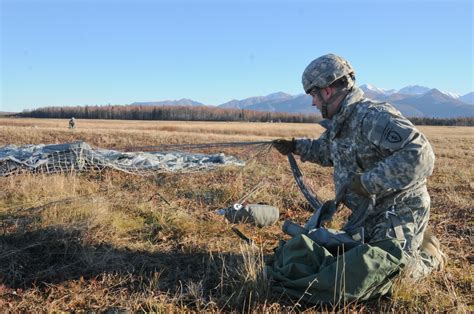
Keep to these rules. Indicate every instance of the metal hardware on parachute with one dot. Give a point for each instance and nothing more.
(260, 215)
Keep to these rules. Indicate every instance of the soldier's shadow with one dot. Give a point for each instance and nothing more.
(52, 256)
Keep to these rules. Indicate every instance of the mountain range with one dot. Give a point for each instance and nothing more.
(420, 101)
(412, 101)
(180, 102)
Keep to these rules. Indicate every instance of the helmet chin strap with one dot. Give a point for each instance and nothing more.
(326, 103)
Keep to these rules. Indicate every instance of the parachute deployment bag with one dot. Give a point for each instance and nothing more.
(306, 271)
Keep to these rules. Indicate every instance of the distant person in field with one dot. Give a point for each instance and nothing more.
(379, 157)
(72, 123)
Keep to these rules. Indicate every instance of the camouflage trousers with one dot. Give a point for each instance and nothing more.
(410, 212)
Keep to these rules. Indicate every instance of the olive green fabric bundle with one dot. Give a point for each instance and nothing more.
(306, 271)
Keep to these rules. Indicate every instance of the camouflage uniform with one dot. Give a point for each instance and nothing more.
(72, 123)
(394, 158)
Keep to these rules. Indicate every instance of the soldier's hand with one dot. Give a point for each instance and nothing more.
(284, 146)
(356, 185)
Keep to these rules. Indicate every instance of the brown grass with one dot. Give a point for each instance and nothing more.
(114, 241)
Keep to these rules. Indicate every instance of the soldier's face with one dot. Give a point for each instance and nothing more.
(316, 102)
(326, 94)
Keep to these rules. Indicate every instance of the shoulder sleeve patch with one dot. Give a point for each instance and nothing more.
(388, 131)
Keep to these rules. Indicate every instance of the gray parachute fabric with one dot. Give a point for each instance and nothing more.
(79, 156)
(306, 271)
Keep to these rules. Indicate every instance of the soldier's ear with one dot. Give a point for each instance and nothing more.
(328, 91)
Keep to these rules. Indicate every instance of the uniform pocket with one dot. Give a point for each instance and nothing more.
(413, 214)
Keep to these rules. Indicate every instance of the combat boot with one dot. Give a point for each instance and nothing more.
(431, 247)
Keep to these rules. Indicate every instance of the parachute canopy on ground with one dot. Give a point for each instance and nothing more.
(79, 156)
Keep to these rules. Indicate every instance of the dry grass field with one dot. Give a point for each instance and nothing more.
(115, 241)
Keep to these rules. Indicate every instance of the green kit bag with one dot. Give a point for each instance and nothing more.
(306, 271)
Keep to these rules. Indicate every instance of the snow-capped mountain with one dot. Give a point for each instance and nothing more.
(452, 95)
(437, 104)
(421, 101)
(410, 100)
(414, 90)
(370, 89)
(373, 89)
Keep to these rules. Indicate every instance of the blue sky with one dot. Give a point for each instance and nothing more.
(98, 52)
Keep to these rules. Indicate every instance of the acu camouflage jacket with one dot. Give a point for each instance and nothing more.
(373, 139)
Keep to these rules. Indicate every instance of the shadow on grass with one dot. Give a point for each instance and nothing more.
(52, 256)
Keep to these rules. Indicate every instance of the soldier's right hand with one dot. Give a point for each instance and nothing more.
(284, 146)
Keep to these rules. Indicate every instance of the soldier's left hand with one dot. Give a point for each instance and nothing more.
(356, 185)
(285, 146)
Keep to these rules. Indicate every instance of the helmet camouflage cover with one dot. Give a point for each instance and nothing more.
(324, 71)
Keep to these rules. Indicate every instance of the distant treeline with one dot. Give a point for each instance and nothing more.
(201, 113)
(179, 113)
(465, 121)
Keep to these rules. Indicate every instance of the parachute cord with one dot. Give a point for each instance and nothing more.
(167, 147)
(313, 201)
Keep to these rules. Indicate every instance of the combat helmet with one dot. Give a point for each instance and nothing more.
(324, 71)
